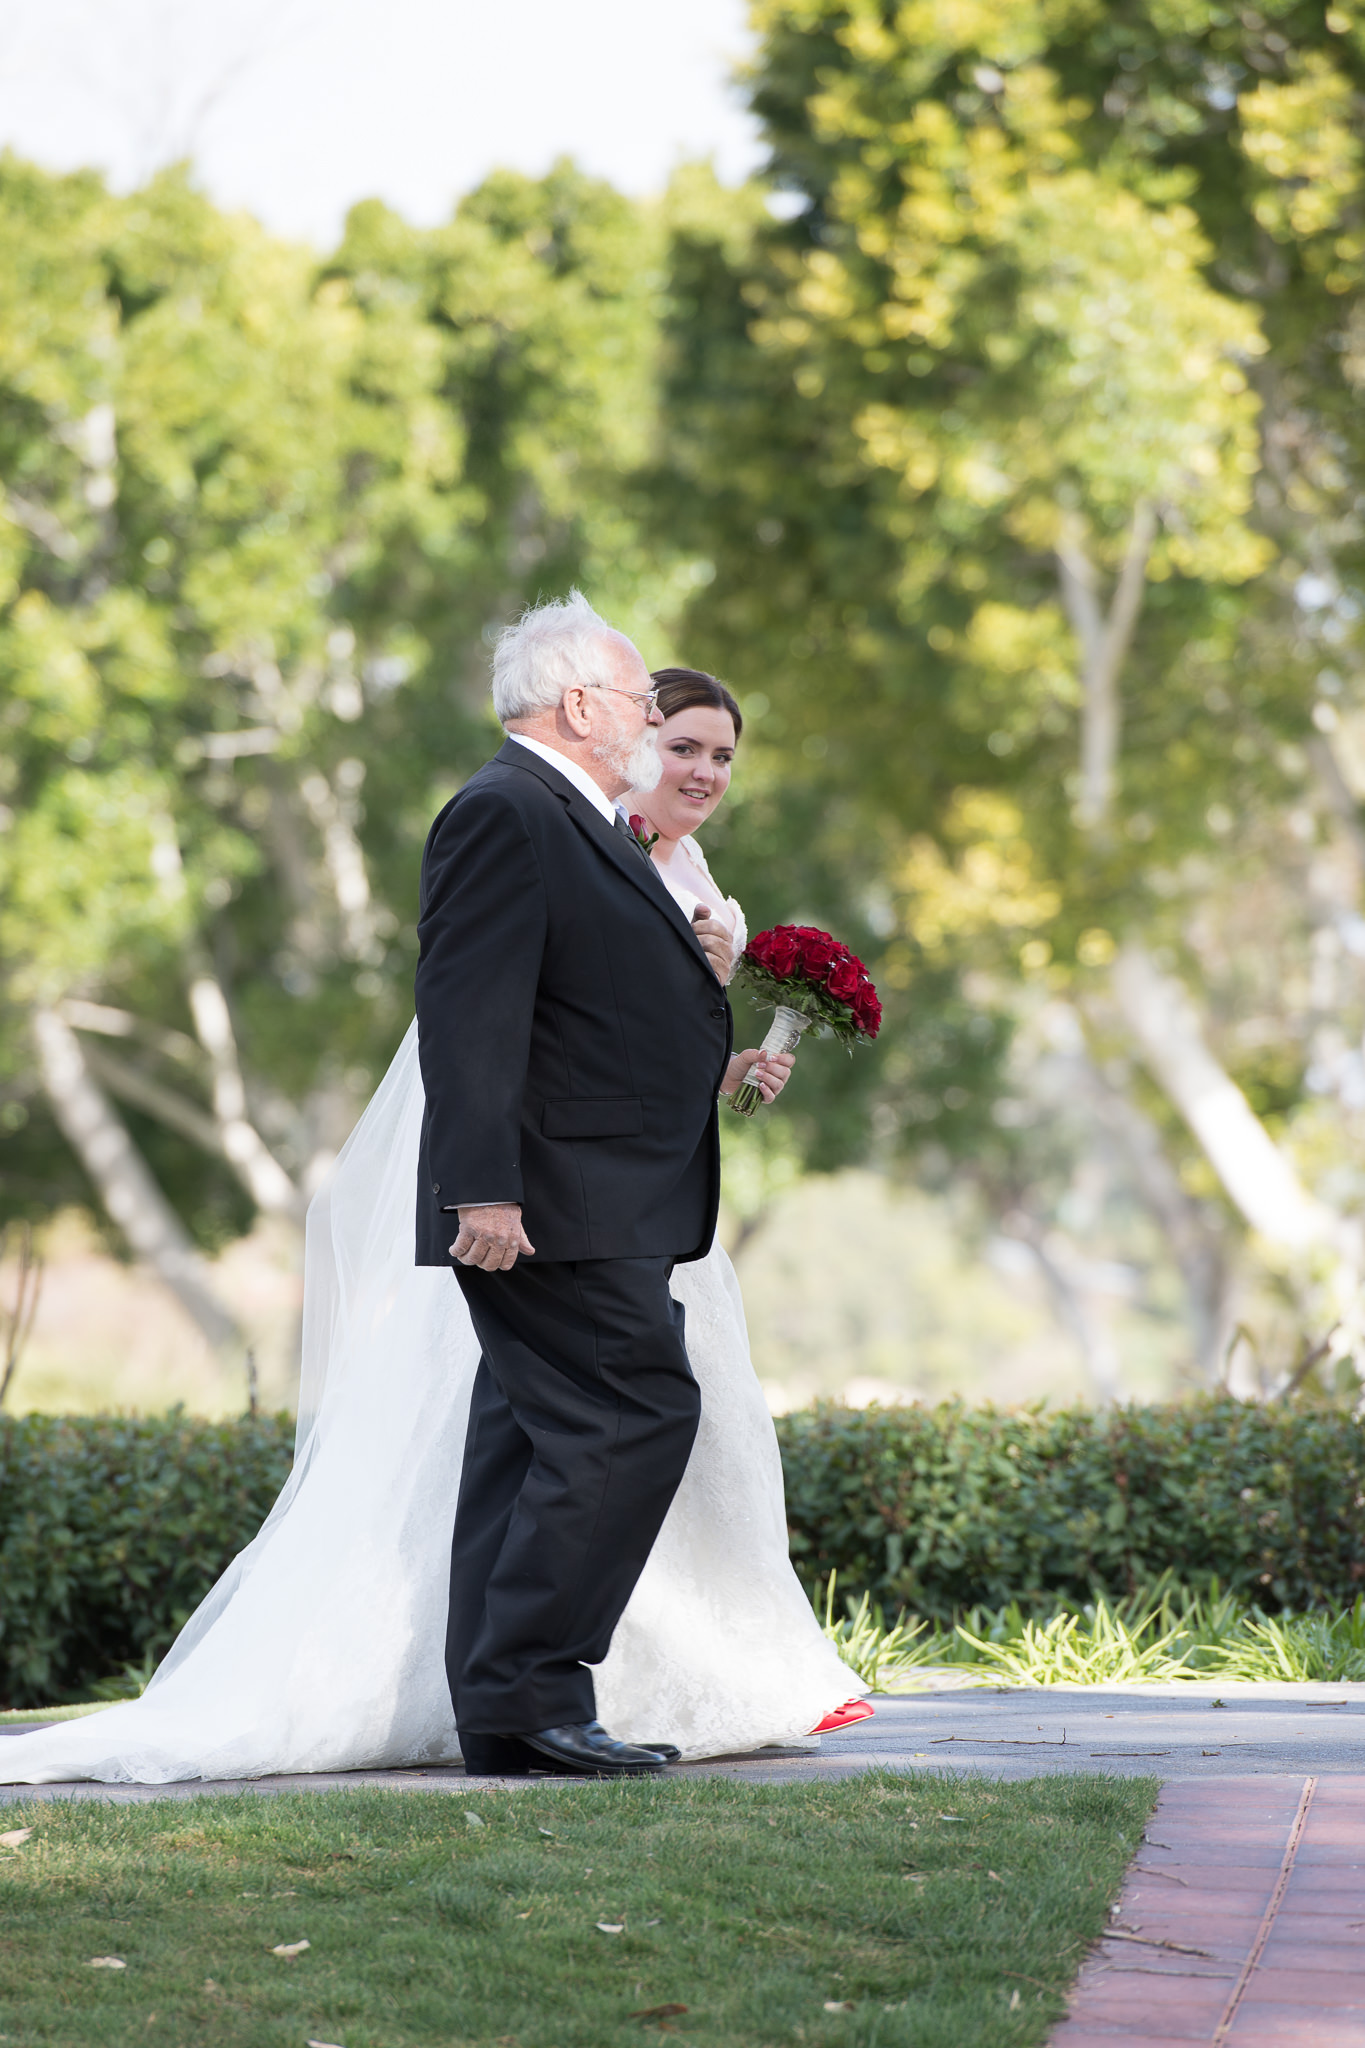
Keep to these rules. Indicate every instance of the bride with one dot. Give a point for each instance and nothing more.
(320, 1647)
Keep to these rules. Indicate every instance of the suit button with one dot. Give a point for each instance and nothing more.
(436, 1187)
(718, 1013)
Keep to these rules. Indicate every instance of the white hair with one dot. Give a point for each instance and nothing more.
(550, 648)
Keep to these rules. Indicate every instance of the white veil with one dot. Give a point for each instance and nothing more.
(321, 1647)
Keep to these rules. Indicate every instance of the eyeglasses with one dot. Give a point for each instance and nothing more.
(649, 698)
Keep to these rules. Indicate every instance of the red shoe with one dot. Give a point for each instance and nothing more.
(844, 1716)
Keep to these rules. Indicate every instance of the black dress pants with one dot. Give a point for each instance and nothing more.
(582, 1420)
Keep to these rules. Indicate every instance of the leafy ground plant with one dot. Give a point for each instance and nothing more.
(1164, 1631)
(874, 1913)
(884, 1655)
(1102, 1648)
(1297, 1647)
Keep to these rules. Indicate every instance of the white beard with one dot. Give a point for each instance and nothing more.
(636, 763)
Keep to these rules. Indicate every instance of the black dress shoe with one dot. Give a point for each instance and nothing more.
(497, 1756)
(585, 1749)
(666, 1750)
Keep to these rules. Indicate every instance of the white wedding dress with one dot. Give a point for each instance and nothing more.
(321, 1647)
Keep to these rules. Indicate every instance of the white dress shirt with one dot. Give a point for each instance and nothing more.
(571, 772)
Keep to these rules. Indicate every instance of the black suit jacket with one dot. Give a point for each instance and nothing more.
(572, 1034)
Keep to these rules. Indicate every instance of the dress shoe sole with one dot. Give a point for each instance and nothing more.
(507, 1756)
(569, 1767)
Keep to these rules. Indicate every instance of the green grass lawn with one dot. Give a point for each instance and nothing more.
(947, 1913)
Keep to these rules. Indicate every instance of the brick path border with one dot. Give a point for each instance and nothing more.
(1241, 1923)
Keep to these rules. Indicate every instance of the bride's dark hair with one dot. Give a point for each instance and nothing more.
(680, 688)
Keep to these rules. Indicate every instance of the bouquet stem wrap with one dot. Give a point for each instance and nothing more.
(784, 1035)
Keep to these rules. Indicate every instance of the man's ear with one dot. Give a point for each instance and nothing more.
(573, 709)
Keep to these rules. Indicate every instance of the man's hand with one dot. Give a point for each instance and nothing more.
(491, 1237)
(769, 1072)
(716, 943)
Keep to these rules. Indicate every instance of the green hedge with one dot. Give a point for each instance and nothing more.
(112, 1530)
(938, 1509)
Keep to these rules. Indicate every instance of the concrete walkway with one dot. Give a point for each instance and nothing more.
(1192, 1730)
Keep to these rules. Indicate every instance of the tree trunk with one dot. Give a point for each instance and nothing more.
(260, 1173)
(98, 1137)
(1103, 639)
(1259, 1179)
(1195, 1245)
(1074, 1309)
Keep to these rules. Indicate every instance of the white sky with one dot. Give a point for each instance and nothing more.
(297, 108)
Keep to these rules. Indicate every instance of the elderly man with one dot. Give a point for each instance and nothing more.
(573, 1035)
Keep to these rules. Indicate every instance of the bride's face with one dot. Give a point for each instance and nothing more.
(697, 748)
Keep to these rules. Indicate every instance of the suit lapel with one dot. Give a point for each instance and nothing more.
(636, 867)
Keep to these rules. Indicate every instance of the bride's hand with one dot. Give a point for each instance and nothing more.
(769, 1072)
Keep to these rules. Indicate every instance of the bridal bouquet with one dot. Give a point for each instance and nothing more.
(813, 983)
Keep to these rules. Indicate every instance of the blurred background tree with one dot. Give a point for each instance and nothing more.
(1019, 440)
(1001, 446)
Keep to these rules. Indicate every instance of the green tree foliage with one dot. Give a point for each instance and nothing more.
(258, 515)
(1002, 447)
(1025, 442)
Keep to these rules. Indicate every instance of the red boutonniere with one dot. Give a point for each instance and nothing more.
(644, 838)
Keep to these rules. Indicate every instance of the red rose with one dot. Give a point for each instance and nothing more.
(843, 980)
(783, 952)
(638, 825)
(867, 1011)
(818, 953)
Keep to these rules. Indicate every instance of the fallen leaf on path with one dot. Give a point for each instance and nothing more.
(1015, 2000)
(548, 1833)
(474, 1820)
(523, 1916)
(611, 1926)
(290, 1949)
(322, 2044)
(15, 1838)
(657, 2012)
(106, 1963)
(996, 1875)
(840, 2005)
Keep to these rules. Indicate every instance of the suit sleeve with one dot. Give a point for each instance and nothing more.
(481, 937)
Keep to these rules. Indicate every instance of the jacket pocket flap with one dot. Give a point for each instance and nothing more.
(616, 1116)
